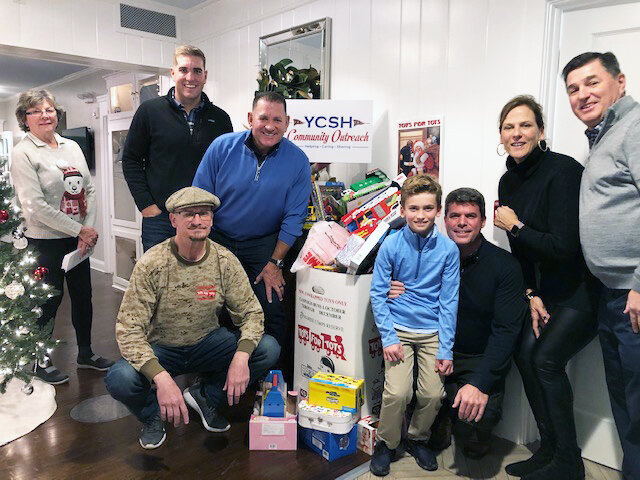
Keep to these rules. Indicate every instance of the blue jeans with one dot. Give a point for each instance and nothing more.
(156, 230)
(621, 354)
(254, 254)
(210, 358)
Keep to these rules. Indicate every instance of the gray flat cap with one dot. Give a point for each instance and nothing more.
(191, 197)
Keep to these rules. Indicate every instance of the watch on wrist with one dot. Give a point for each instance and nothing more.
(277, 263)
(530, 295)
(515, 230)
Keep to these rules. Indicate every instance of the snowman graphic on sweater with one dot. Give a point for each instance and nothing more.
(74, 201)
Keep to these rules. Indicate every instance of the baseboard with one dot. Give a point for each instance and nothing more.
(98, 265)
(598, 438)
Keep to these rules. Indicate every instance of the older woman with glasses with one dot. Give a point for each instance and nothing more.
(54, 189)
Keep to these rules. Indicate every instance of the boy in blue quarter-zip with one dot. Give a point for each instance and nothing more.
(419, 326)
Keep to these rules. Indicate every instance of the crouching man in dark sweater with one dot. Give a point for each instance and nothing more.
(491, 312)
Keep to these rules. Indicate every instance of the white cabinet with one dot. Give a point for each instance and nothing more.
(125, 93)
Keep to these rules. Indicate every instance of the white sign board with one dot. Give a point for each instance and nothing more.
(332, 130)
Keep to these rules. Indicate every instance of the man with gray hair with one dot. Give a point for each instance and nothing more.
(168, 325)
(166, 141)
(610, 230)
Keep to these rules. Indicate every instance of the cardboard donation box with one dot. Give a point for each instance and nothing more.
(335, 333)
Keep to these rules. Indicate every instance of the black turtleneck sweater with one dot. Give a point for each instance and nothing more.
(543, 192)
(491, 312)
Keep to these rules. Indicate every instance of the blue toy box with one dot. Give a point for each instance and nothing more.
(330, 445)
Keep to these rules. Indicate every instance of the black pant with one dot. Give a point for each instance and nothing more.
(621, 353)
(50, 255)
(542, 362)
(254, 254)
(464, 368)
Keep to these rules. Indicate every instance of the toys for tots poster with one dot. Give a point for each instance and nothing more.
(419, 147)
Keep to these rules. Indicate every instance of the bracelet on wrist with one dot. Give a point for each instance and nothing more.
(531, 294)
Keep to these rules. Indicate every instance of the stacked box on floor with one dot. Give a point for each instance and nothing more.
(330, 429)
(273, 425)
(338, 392)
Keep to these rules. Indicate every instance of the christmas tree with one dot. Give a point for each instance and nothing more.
(22, 291)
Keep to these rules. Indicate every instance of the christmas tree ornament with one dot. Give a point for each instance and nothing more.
(40, 272)
(20, 243)
(4, 216)
(37, 311)
(14, 290)
(27, 389)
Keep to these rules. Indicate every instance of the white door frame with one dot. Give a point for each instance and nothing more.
(103, 173)
(554, 10)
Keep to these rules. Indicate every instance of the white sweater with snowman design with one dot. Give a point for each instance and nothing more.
(53, 187)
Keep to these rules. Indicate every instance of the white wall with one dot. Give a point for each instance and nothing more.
(84, 28)
(79, 114)
(460, 58)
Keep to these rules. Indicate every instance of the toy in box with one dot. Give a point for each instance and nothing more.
(330, 445)
(274, 395)
(338, 392)
(325, 419)
(367, 433)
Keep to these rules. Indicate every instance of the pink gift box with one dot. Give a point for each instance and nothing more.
(270, 433)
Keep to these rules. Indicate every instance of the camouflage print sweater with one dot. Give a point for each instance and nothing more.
(174, 302)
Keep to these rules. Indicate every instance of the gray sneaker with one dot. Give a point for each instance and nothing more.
(153, 434)
(211, 419)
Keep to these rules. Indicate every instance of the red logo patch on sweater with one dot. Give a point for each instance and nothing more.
(206, 292)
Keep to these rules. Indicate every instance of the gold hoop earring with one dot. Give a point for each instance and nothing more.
(546, 149)
(504, 152)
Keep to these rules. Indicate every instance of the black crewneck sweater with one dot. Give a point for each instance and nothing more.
(543, 191)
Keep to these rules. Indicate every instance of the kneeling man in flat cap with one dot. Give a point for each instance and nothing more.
(168, 326)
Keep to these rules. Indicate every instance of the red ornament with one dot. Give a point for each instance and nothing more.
(40, 272)
(4, 216)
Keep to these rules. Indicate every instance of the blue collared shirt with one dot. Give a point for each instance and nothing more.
(191, 116)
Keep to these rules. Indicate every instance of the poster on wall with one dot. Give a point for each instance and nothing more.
(419, 147)
(332, 130)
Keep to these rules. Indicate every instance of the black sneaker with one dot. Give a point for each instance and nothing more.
(211, 419)
(153, 433)
(95, 362)
(50, 374)
(381, 459)
(425, 457)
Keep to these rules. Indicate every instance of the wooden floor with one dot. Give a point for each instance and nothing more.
(63, 448)
(453, 465)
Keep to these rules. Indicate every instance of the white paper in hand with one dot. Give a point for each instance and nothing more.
(72, 259)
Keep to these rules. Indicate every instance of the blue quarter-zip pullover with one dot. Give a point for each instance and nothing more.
(429, 267)
(256, 200)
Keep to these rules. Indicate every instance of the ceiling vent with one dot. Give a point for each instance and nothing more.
(148, 21)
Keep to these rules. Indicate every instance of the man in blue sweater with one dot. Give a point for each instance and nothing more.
(419, 326)
(263, 182)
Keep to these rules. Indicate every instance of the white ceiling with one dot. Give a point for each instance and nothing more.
(184, 4)
(18, 73)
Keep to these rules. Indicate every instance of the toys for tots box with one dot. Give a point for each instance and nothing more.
(335, 333)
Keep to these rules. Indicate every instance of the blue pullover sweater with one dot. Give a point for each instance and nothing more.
(256, 201)
(429, 267)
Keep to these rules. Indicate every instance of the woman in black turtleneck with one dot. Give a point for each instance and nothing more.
(538, 198)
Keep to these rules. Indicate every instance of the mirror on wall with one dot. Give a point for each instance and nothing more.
(296, 61)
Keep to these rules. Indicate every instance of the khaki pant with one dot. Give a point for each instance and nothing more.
(398, 389)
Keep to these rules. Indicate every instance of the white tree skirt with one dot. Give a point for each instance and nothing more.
(21, 413)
